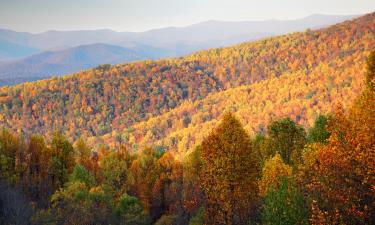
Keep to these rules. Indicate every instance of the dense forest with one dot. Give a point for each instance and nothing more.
(105, 105)
(277, 131)
(283, 176)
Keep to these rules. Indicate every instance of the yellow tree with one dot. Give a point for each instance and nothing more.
(229, 174)
(273, 170)
(83, 153)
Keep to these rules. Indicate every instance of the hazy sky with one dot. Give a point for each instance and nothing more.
(138, 15)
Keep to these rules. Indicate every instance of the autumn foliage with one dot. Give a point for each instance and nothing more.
(229, 174)
(278, 131)
(300, 75)
(343, 186)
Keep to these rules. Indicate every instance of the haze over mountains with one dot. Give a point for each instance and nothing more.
(65, 61)
(173, 103)
(278, 130)
(28, 57)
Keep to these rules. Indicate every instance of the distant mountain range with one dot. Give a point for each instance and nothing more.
(26, 57)
(37, 66)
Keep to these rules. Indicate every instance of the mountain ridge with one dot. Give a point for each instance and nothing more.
(45, 64)
(152, 44)
(110, 105)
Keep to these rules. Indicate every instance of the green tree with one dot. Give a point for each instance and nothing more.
(198, 218)
(81, 174)
(284, 206)
(77, 204)
(229, 174)
(319, 132)
(62, 161)
(129, 211)
(10, 147)
(261, 147)
(288, 139)
(114, 172)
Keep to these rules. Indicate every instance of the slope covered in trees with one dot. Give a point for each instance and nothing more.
(107, 102)
(304, 179)
(296, 95)
(255, 166)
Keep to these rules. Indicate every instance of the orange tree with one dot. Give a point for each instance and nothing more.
(342, 188)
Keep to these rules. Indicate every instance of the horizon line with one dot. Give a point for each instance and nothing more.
(184, 26)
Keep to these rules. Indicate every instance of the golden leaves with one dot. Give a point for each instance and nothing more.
(273, 170)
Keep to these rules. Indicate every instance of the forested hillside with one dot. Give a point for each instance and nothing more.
(278, 131)
(300, 97)
(286, 175)
(108, 101)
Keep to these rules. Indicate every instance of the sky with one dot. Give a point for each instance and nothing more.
(138, 15)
